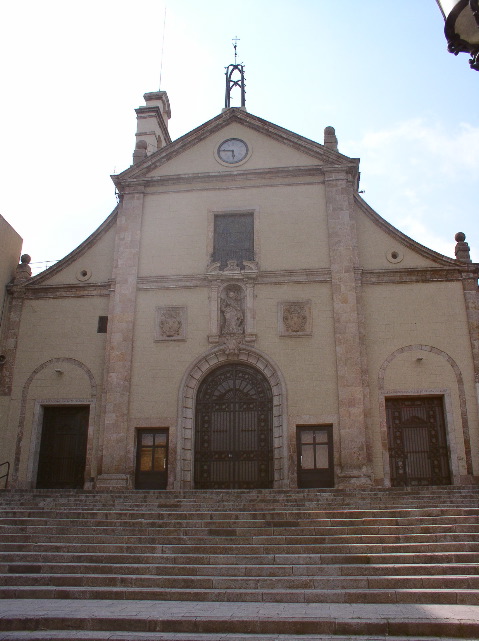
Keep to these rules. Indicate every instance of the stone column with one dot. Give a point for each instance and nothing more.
(114, 472)
(355, 466)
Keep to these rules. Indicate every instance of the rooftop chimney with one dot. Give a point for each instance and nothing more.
(152, 125)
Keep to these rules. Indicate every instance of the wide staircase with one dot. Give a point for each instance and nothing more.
(240, 565)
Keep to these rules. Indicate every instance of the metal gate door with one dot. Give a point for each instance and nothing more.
(234, 430)
(418, 451)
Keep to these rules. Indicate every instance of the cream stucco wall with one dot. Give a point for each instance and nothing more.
(423, 315)
(415, 336)
(264, 152)
(177, 227)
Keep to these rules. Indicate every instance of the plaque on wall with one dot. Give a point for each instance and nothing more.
(170, 323)
(295, 318)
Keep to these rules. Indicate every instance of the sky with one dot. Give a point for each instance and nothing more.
(378, 71)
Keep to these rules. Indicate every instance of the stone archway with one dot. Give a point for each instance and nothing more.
(450, 431)
(34, 439)
(194, 376)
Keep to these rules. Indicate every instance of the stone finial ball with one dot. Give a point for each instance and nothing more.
(330, 131)
(460, 237)
(25, 258)
(141, 144)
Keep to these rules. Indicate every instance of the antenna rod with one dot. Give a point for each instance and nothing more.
(162, 48)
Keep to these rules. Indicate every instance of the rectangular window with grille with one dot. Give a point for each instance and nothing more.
(233, 238)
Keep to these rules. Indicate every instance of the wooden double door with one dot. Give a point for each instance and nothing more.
(62, 457)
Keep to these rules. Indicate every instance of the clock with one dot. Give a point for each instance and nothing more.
(232, 151)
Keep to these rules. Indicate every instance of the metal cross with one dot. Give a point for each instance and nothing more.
(235, 40)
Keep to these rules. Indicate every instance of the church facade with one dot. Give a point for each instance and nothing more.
(243, 319)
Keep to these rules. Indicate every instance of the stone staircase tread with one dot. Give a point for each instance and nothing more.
(359, 560)
(221, 562)
(223, 595)
(119, 569)
(84, 635)
(232, 618)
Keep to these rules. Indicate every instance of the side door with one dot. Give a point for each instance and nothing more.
(315, 456)
(151, 459)
(62, 458)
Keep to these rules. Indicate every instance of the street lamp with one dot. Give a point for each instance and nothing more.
(462, 27)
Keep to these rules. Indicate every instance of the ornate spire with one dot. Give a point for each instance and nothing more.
(235, 78)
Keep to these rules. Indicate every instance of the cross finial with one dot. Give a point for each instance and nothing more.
(235, 45)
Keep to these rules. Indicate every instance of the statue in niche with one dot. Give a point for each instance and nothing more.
(232, 314)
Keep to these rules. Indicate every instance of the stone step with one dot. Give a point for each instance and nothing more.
(302, 619)
(431, 558)
(365, 526)
(417, 596)
(165, 570)
(219, 542)
(219, 582)
(212, 549)
(85, 635)
(201, 553)
(338, 513)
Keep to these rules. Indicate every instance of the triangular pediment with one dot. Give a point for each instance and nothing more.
(269, 146)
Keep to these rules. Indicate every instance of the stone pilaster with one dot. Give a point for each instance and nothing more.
(118, 361)
(9, 347)
(471, 298)
(355, 466)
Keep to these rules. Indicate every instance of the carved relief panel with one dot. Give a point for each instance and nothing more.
(295, 318)
(170, 323)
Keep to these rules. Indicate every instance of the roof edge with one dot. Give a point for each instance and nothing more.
(76, 253)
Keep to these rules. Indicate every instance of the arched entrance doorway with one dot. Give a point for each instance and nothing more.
(234, 429)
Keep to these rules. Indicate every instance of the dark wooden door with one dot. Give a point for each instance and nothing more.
(315, 456)
(152, 459)
(418, 451)
(62, 457)
(234, 430)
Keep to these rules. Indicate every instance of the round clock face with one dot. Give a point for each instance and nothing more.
(233, 150)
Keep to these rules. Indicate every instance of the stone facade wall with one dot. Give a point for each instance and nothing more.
(339, 309)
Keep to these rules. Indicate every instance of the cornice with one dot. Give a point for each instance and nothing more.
(262, 278)
(313, 172)
(301, 276)
(294, 276)
(414, 275)
(70, 290)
